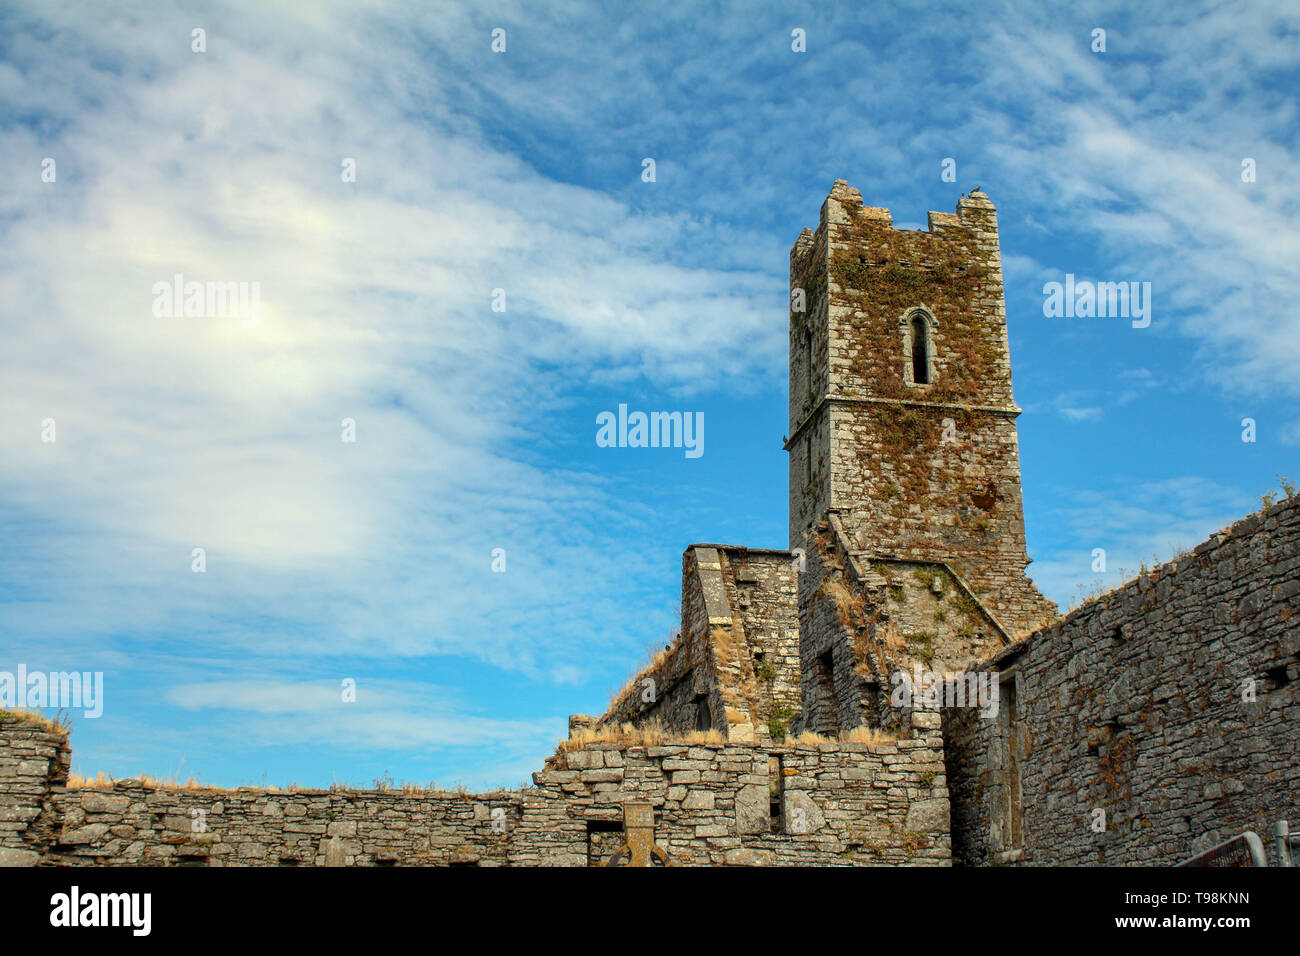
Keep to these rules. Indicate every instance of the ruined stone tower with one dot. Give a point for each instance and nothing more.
(902, 444)
(767, 732)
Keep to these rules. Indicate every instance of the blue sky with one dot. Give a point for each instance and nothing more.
(476, 429)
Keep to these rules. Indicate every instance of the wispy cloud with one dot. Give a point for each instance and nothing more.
(1143, 523)
(521, 172)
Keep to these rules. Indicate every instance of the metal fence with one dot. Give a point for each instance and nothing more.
(1247, 849)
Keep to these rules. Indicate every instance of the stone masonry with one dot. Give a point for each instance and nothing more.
(34, 762)
(831, 803)
(923, 470)
(735, 663)
(1151, 723)
(775, 729)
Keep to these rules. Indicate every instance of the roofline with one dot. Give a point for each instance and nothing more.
(738, 547)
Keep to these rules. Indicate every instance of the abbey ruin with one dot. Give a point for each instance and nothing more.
(890, 690)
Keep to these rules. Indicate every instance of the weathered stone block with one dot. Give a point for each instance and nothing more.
(699, 800)
(753, 810)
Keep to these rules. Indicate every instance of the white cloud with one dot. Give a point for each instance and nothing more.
(1079, 414)
(1142, 523)
(385, 715)
(182, 433)
(1158, 185)
(186, 432)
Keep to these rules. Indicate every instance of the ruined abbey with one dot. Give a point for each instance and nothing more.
(890, 690)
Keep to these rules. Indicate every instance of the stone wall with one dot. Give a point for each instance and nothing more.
(34, 762)
(131, 824)
(834, 620)
(1150, 723)
(809, 441)
(679, 690)
(734, 666)
(929, 617)
(1167, 711)
(763, 663)
(828, 803)
(864, 619)
(984, 757)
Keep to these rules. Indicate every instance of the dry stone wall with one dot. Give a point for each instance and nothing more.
(734, 667)
(34, 762)
(763, 659)
(829, 803)
(832, 617)
(1167, 710)
(1150, 723)
(865, 619)
(809, 440)
(929, 618)
(681, 690)
(132, 824)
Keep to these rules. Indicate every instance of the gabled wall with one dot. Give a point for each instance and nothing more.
(865, 619)
(734, 666)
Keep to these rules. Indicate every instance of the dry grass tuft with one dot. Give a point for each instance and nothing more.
(656, 662)
(55, 725)
(701, 737)
(102, 781)
(807, 737)
(724, 644)
(868, 735)
(627, 735)
(858, 735)
(848, 605)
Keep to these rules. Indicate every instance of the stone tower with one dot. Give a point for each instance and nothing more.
(902, 422)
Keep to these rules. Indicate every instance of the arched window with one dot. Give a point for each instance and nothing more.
(920, 351)
(917, 328)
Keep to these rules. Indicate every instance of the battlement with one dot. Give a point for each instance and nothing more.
(902, 418)
(844, 206)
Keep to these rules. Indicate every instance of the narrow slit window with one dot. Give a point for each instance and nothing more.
(776, 794)
(920, 351)
(1014, 803)
(812, 374)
